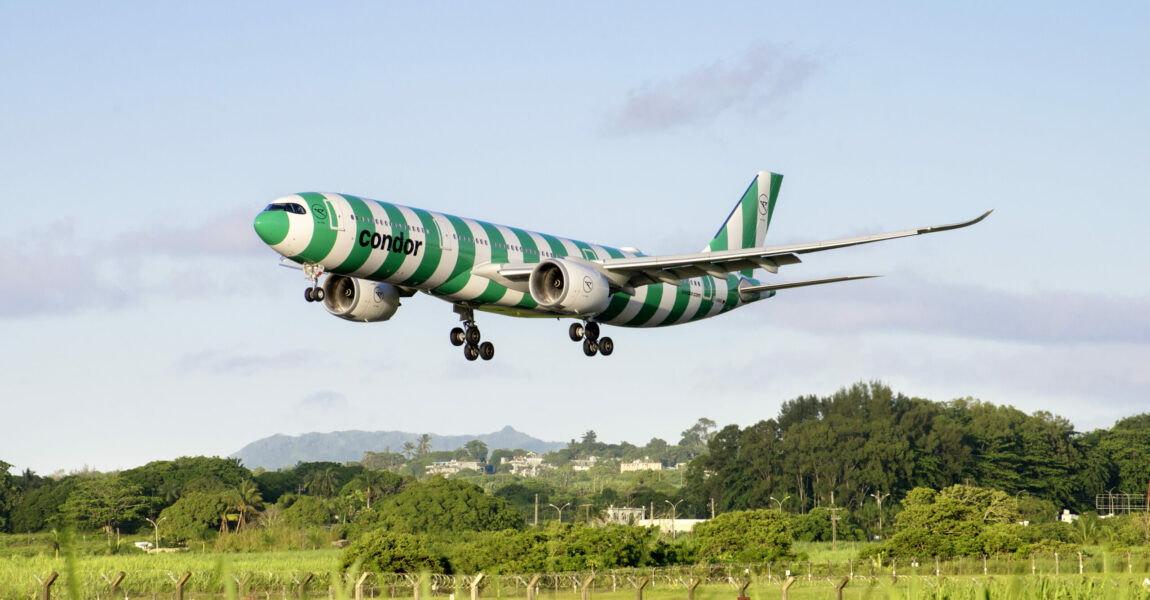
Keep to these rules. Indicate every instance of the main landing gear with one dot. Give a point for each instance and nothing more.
(469, 337)
(588, 333)
(313, 273)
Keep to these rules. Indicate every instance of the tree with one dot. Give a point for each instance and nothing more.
(392, 552)
(408, 449)
(104, 503)
(323, 482)
(193, 516)
(424, 445)
(442, 505)
(697, 435)
(308, 511)
(476, 450)
(960, 520)
(376, 484)
(246, 500)
(744, 537)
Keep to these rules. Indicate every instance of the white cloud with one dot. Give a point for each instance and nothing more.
(764, 75)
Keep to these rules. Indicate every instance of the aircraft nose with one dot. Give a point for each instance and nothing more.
(272, 226)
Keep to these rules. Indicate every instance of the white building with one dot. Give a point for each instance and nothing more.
(584, 464)
(451, 467)
(641, 465)
(529, 465)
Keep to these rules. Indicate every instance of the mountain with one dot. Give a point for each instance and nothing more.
(280, 450)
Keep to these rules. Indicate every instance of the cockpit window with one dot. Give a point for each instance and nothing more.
(290, 207)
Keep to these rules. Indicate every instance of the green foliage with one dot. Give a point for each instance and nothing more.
(442, 505)
(193, 517)
(744, 537)
(960, 520)
(308, 511)
(1127, 446)
(104, 503)
(392, 552)
(815, 526)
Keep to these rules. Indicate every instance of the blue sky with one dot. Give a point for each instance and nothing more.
(141, 318)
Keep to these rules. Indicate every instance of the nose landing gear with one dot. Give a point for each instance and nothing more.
(469, 336)
(313, 273)
(588, 333)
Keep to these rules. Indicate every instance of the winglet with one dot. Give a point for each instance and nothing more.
(956, 225)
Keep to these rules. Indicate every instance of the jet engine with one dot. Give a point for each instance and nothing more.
(359, 299)
(569, 287)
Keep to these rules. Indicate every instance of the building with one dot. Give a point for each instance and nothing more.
(528, 465)
(584, 464)
(641, 465)
(451, 467)
(625, 515)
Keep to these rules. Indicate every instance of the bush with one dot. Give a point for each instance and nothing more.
(393, 552)
(743, 537)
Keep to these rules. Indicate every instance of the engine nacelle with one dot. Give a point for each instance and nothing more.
(569, 287)
(359, 299)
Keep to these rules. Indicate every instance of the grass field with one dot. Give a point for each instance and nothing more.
(268, 575)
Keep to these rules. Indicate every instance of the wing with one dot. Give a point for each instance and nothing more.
(643, 270)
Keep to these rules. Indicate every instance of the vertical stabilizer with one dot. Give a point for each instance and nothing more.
(748, 223)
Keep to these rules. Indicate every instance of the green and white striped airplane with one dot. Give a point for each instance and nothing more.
(371, 253)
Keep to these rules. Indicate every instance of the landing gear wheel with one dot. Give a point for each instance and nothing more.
(318, 294)
(606, 346)
(592, 331)
(590, 348)
(576, 332)
(307, 295)
(457, 337)
(473, 335)
(471, 352)
(486, 350)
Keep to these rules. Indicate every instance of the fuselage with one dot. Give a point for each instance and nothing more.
(437, 253)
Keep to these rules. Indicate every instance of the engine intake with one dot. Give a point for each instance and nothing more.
(569, 288)
(359, 299)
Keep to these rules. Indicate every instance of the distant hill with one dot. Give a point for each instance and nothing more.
(280, 450)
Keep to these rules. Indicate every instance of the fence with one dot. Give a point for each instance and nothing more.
(674, 581)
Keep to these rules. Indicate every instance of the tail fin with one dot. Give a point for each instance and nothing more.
(747, 225)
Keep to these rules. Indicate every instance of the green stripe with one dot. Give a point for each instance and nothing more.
(650, 305)
(682, 297)
(705, 305)
(493, 293)
(323, 236)
(498, 249)
(530, 250)
(557, 247)
(776, 183)
(720, 241)
(359, 254)
(732, 299)
(431, 249)
(613, 253)
(461, 274)
(394, 260)
(584, 248)
(527, 302)
(614, 308)
(750, 209)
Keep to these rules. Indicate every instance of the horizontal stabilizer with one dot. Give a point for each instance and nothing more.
(750, 289)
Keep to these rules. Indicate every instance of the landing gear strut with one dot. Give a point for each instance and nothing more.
(313, 273)
(588, 333)
(469, 337)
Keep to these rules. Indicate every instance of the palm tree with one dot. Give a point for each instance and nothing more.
(408, 449)
(371, 482)
(424, 445)
(322, 483)
(246, 499)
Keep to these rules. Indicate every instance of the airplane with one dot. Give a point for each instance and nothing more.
(370, 254)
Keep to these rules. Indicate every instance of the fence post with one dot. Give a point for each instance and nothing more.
(359, 585)
(584, 588)
(743, 589)
(530, 587)
(474, 586)
(695, 581)
(642, 584)
(119, 578)
(937, 569)
(1055, 563)
(1032, 569)
(302, 584)
(1079, 562)
(787, 586)
(984, 564)
(839, 588)
(180, 584)
(46, 586)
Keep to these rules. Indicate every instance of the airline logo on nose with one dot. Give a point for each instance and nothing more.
(386, 241)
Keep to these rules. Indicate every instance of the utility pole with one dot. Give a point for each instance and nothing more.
(559, 509)
(834, 528)
(878, 497)
(712, 507)
(536, 523)
(674, 509)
